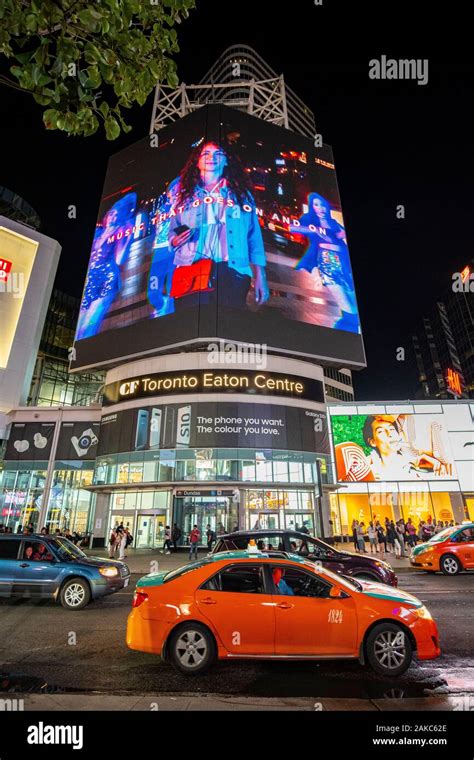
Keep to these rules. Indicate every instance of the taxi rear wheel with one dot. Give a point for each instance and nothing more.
(450, 565)
(192, 649)
(389, 649)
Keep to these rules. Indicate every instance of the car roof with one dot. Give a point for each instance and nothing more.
(29, 536)
(274, 531)
(237, 554)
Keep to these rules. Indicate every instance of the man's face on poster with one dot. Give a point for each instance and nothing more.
(212, 160)
(385, 437)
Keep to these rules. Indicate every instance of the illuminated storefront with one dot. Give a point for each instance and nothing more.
(215, 454)
(402, 461)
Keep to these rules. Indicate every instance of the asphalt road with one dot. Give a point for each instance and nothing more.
(44, 648)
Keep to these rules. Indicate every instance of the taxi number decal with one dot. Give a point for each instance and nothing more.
(335, 616)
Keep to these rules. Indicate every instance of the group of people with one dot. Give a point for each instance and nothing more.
(174, 534)
(394, 537)
(120, 539)
(77, 538)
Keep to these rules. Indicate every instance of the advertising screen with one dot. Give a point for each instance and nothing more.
(33, 441)
(214, 425)
(220, 226)
(17, 256)
(392, 447)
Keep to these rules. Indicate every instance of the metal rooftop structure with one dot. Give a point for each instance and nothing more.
(240, 79)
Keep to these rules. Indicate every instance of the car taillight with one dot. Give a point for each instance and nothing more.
(138, 598)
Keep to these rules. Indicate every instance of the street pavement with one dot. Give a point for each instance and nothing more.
(53, 659)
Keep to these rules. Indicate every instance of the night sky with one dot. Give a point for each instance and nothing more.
(394, 142)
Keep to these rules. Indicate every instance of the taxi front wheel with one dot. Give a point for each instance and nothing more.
(192, 649)
(450, 565)
(389, 650)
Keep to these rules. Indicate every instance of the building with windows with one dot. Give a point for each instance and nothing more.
(444, 342)
(52, 383)
(191, 429)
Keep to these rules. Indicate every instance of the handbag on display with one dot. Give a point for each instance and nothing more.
(193, 278)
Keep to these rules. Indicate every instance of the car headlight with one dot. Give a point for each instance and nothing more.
(423, 612)
(385, 565)
(423, 551)
(109, 572)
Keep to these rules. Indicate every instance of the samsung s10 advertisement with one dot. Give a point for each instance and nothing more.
(220, 226)
(214, 425)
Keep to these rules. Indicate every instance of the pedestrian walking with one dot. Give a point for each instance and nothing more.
(211, 537)
(122, 544)
(176, 535)
(355, 525)
(167, 542)
(194, 538)
(113, 543)
(372, 533)
(382, 539)
(360, 537)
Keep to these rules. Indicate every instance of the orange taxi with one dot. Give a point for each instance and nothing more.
(451, 551)
(242, 605)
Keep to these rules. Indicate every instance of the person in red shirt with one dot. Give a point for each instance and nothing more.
(194, 538)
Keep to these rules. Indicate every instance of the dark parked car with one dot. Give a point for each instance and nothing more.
(355, 565)
(51, 567)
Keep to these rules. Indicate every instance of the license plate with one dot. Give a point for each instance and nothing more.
(126, 583)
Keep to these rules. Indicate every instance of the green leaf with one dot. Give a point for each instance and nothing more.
(112, 128)
(50, 118)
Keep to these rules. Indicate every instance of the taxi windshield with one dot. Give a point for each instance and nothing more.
(442, 535)
(186, 569)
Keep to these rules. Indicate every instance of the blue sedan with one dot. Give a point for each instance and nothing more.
(51, 567)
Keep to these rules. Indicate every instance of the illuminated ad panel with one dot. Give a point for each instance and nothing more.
(213, 424)
(17, 256)
(228, 228)
(392, 447)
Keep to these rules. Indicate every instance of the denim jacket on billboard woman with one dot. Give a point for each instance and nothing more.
(243, 233)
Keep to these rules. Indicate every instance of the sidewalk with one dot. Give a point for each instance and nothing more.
(144, 561)
(214, 702)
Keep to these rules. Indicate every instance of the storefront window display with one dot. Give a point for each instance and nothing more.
(419, 502)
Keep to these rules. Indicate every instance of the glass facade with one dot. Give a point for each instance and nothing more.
(22, 488)
(205, 465)
(376, 501)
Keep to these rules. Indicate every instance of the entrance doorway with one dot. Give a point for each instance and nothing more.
(202, 509)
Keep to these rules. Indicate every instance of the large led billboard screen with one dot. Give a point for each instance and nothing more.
(392, 447)
(229, 227)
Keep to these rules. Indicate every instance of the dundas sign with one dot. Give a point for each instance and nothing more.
(217, 381)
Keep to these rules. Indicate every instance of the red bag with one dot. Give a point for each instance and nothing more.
(192, 279)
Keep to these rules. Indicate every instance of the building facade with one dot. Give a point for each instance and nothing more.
(444, 342)
(401, 460)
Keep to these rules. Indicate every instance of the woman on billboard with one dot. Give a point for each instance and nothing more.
(109, 251)
(215, 234)
(327, 259)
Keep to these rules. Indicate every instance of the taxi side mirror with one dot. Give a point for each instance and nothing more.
(335, 593)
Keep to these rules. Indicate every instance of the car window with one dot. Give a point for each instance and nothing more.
(242, 579)
(305, 547)
(289, 581)
(186, 569)
(270, 543)
(9, 549)
(224, 545)
(36, 551)
(239, 542)
(466, 535)
(67, 550)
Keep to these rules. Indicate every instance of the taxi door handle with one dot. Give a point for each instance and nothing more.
(24, 564)
(208, 601)
(285, 606)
